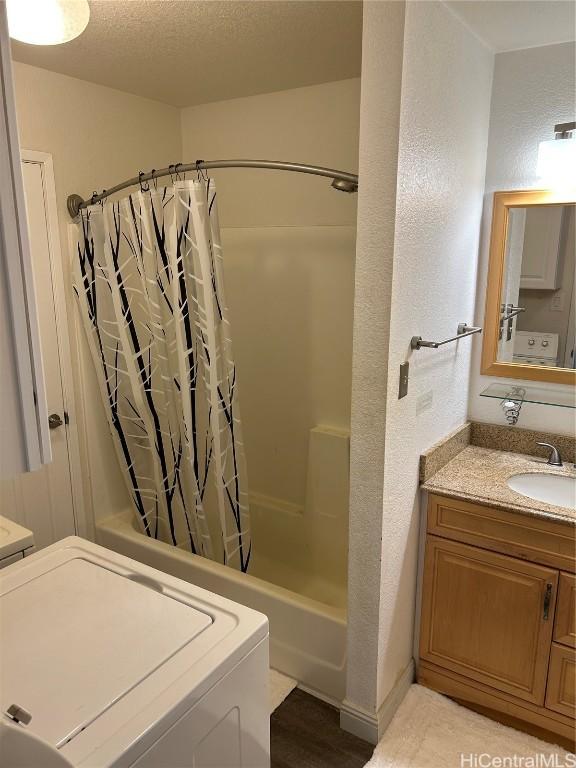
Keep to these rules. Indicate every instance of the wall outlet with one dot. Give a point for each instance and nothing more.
(424, 402)
(557, 302)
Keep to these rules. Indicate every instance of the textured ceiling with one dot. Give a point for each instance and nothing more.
(509, 25)
(186, 52)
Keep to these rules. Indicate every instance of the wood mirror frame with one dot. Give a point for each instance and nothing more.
(503, 202)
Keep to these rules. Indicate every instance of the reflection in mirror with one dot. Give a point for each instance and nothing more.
(537, 320)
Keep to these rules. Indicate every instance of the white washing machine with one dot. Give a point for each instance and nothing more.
(535, 348)
(117, 664)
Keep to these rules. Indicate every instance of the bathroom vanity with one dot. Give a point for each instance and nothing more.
(498, 594)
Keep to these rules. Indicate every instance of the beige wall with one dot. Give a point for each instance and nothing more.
(316, 125)
(289, 245)
(97, 136)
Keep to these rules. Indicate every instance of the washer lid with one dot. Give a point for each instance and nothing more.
(75, 639)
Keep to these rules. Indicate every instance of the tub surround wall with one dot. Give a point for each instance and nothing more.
(289, 244)
(290, 294)
(533, 90)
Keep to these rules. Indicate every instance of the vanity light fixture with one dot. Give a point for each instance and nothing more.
(47, 22)
(557, 158)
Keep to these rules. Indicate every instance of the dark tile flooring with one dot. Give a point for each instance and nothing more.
(305, 733)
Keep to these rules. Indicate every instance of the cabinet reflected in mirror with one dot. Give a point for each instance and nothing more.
(530, 324)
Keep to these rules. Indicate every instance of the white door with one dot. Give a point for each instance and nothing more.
(43, 500)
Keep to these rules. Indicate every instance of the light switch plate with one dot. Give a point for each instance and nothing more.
(403, 384)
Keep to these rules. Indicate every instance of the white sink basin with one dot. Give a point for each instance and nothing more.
(559, 490)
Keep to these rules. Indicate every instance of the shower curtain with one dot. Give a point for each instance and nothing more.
(148, 280)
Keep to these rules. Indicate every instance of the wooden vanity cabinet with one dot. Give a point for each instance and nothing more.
(498, 628)
(565, 623)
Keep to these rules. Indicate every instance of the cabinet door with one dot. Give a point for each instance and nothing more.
(565, 622)
(488, 617)
(561, 691)
(541, 247)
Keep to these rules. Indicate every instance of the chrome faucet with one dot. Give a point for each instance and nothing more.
(555, 460)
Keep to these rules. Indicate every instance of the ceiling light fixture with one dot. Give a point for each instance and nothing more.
(557, 158)
(47, 22)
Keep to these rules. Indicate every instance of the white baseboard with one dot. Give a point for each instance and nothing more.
(319, 695)
(359, 722)
(370, 726)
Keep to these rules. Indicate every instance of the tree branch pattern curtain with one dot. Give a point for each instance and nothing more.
(149, 283)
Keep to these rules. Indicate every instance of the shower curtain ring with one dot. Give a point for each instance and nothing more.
(171, 172)
(177, 172)
(144, 186)
(154, 179)
(201, 175)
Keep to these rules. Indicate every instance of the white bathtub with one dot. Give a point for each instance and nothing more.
(307, 637)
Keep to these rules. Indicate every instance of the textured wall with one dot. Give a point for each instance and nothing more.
(446, 84)
(380, 112)
(533, 90)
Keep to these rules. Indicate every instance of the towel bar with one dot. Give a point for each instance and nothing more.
(417, 342)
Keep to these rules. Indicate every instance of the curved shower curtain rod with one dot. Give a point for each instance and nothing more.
(342, 181)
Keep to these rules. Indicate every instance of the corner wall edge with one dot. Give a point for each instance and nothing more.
(371, 727)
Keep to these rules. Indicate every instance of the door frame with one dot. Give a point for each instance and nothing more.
(44, 160)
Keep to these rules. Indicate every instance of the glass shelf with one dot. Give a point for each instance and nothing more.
(528, 393)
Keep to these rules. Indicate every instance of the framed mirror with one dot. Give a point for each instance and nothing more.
(530, 321)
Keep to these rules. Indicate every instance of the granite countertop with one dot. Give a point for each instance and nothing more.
(480, 475)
